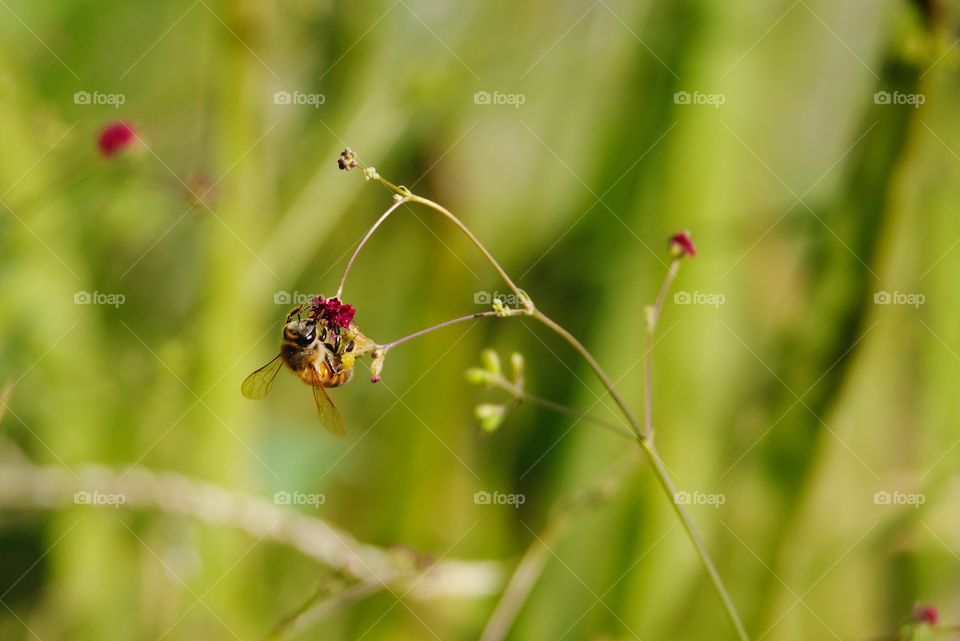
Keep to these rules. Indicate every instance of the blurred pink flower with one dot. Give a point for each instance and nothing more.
(925, 614)
(681, 244)
(116, 137)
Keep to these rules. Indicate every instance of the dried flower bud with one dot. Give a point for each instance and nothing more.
(116, 137)
(681, 244)
(376, 366)
(491, 361)
(347, 159)
(489, 415)
(926, 614)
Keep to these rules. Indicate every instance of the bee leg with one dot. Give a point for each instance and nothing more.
(337, 343)
(294, 312)
(350, 346)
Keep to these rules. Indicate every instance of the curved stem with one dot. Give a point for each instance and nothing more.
(539, 551)
(320, 605)
(533, 399)
(660, 471)
(363, 241)
(521, 296)
(595, 366)
(654, 316)
(643, 432)
(453, 321)
(408, 196)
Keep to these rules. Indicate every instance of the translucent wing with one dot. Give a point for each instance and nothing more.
(258, 384)
(329, 414)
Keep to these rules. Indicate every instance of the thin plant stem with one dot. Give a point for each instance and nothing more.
(539, 551)
(654, 316)
(663, 476)
(320, 605)
(408, 196)
(453, 321)
(533, 399)
(594, 365)
(640, 431)
(363, 241)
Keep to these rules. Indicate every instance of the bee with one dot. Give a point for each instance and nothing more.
(321, 354)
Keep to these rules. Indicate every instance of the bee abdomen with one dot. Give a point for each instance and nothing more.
(335, 380)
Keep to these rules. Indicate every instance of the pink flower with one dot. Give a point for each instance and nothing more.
(925, 614)
(116, 137)
(681, 244)
(336, 313)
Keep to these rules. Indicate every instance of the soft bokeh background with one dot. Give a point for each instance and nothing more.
(797, 399)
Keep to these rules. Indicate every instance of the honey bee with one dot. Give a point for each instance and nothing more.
(321, 354)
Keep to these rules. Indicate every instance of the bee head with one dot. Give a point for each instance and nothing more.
(301, 332)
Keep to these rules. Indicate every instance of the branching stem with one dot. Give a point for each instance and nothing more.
(643, 432)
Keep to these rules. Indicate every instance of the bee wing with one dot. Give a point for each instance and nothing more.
(329, 414)
(258, 384)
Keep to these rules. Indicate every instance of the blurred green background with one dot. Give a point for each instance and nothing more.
(825, 373)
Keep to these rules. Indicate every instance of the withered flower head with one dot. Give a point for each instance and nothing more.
(331, 310)
(347, 159)
(681, 244)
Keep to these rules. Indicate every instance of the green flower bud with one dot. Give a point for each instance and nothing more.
(516, 365)
(490, 416)
(477, 376)
(491, 361)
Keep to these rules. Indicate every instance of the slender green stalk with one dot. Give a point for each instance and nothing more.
(594, 365)
(533, 399)
(643, 432)
(539, 551)
(453, 321)
(363, 241)
(652, 318)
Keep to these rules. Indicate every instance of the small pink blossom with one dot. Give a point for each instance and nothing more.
(332, 310)
(681, 244)
(116, 137)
